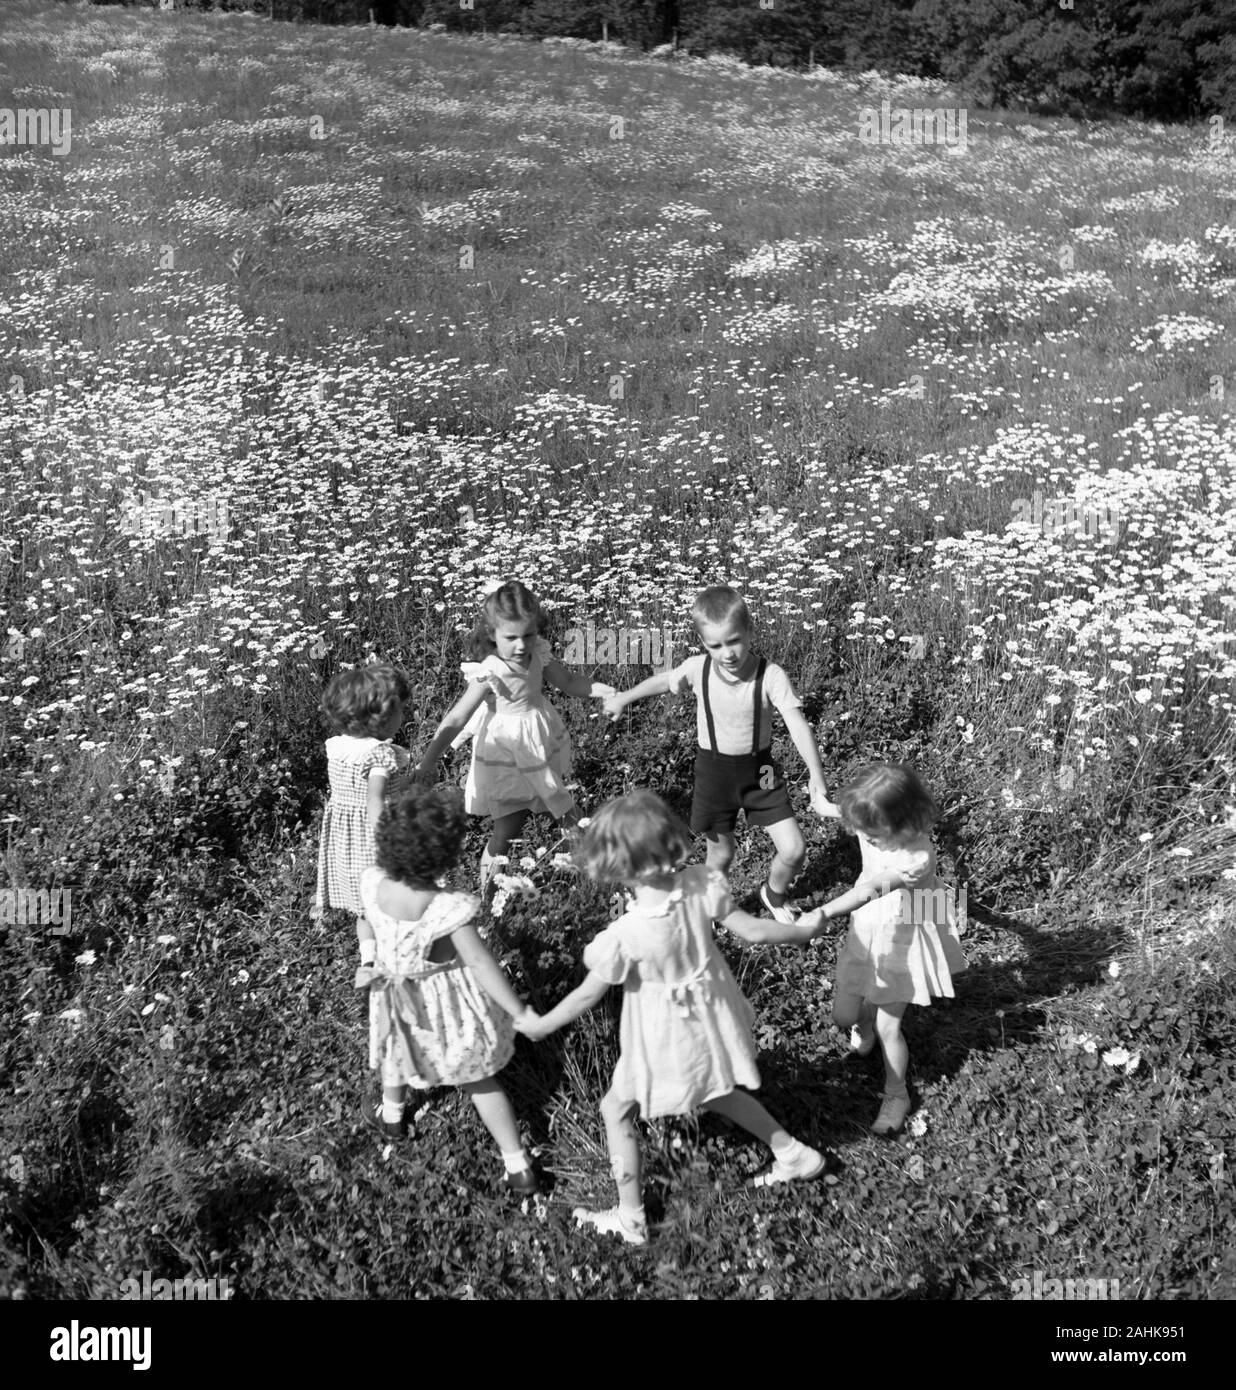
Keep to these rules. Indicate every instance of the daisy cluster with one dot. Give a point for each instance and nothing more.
(703, 358)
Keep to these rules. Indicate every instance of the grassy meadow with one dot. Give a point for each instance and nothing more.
(312, 332)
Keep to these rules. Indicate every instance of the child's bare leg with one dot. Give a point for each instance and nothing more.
(791, 851)
(624, 1153)
(506, 829)
(746, 1112)
(791, 1157)
(854, 1012)
(627, 1220)
(896, 1053)
(896, 1105)
(720, 851)
(498, 1115)
(847, 1009)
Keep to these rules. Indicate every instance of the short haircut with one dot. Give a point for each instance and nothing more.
(887, 800)
(718, 604)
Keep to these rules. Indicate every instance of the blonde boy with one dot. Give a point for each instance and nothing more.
(736, 692)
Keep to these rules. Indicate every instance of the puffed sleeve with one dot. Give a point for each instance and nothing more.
(383, 758)
(717, 899)
(482, 673)
(606, 956)
(452, 911)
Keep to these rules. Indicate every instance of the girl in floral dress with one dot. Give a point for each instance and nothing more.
(440, 1006)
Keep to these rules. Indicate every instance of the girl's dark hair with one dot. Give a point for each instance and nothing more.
(360, 701)
(718, 604)
(512, 603)
(887, 801)
(419, 833)
(632, 837)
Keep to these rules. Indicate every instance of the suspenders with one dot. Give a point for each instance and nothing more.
(759, 702)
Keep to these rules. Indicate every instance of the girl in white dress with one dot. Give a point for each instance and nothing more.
(440, 1006)
(521, 753)
(903, 946)
(685, 1035)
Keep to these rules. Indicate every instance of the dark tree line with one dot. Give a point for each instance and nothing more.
(1162, 59)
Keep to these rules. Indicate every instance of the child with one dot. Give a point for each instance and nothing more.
(685, 1035)
(521, 753)
(736, 691)
(365, 709)
(440, 1006)
(902, 946)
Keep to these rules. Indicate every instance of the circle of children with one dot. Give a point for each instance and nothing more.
(442, 1011)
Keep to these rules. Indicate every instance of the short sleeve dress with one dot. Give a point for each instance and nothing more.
(904, 946)
(685, 1034)
(521, 752)
(430, 1024)
(347, 844)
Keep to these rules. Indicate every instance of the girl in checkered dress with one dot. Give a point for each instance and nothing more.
(365, 709)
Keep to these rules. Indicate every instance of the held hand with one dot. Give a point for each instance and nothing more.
(820, 803)
(614, 705)
(815, 921)
(601, 691)
(529, 1024)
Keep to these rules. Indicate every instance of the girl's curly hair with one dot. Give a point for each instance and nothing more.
(633, 837)
(419, 833)
(361, 701)
(887, 801)
(512, 603)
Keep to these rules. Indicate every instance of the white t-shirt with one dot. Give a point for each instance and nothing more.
(733, 702)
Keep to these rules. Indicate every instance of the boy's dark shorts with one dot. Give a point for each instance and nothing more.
(728, 783)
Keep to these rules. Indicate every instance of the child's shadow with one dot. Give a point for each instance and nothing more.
(995, 1003)
(836, 1093)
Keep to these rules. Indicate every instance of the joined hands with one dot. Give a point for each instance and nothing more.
(531, 1025)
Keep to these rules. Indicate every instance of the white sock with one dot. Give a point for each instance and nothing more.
(788, 1151)
(517, 1162)
(392, 1111)
(632, 1217)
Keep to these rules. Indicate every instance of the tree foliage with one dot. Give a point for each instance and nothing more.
(1161, 59)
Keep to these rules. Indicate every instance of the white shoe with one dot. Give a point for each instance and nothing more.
(780, 914)
(892, 1115)
(611, 1223)
(809, 1164)
(862, 1040)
